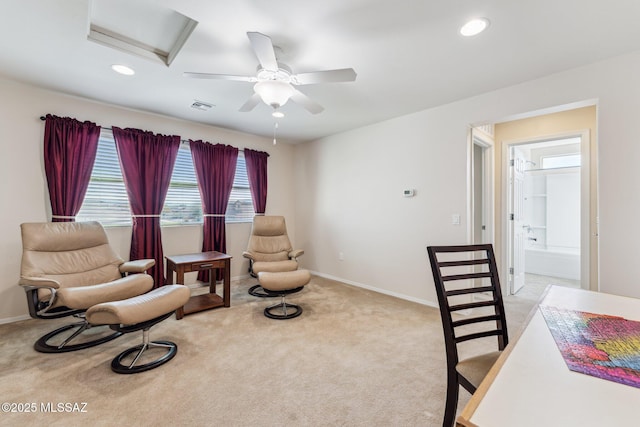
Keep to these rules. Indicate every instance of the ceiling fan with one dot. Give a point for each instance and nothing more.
(274, 81)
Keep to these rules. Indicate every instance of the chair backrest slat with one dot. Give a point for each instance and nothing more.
(463, 262)
(467, 285)
(469, 291)
(477, 335)
(471, 320)
(466, 276)
(472, 305)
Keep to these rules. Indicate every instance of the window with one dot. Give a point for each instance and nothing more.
(564, 161)
(182, 204)
(240, 207)
(106, 199)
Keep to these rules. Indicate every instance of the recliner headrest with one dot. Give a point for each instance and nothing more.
(62, 236)
(269, 225)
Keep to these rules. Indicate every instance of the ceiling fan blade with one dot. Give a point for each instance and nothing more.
(309, 104)
(251, 103)
(263, 48)
(220, 77)
(329, 76)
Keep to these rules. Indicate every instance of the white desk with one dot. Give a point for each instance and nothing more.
(531, 385)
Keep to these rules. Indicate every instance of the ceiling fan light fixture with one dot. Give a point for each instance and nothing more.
(277, 114)
(474, 27)
(274, 92)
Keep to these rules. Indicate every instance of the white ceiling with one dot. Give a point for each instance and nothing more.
(407, 53)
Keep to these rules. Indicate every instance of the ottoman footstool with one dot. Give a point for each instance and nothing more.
(140, 313)
(282, 284)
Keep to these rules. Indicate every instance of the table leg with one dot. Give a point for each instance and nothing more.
(180, 281)
(227, 283)
(212, 280)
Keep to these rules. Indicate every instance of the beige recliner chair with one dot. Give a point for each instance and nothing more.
(269, 250)
(69, 267)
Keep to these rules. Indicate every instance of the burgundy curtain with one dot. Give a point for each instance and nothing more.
(69, 153)
(215, 167)
(147, 162)
(256, 162)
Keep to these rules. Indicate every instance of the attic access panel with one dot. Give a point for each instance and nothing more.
(140, 28)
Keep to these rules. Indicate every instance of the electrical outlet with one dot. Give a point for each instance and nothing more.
(455, 219)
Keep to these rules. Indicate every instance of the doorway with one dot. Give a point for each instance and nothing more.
(482, 185)
(489, 154)
(547, 194)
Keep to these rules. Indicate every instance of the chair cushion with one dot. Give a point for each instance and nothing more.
(83, 297)
(71, 253)
(284, 281)
(273, 248)
(269, 240)
(139, 309)
(275, 266)
(476, 368)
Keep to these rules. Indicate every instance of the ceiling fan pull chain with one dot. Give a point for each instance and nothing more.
(275, 126)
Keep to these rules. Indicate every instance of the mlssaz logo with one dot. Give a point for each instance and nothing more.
(63, 407)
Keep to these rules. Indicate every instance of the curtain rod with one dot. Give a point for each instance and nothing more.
(182, 141)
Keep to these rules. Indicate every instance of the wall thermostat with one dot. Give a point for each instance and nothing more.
(409, 193)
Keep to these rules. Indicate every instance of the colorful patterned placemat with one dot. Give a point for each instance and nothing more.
(599, 345)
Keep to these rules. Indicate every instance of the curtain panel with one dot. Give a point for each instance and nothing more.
(70, 148)
(215, 167)
(147, 162)
(256, 162)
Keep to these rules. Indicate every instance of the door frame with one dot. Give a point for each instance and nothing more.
(585, 203)
(484, 140)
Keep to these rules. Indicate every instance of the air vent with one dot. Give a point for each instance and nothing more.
(199, 105)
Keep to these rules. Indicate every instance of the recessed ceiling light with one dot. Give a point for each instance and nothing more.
(474, 27)
(123, 69)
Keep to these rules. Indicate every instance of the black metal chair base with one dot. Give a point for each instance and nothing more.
(283, 311)
(117, 364)
(120, 368)
(259, 291)
(43, 346)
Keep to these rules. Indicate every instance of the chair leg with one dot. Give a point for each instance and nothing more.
(43, 345)
(119, 367)
(283, 310)
(258, 291)
(451, 406)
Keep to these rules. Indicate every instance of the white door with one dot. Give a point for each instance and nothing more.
(516, 173)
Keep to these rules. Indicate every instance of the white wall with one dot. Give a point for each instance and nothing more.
(349, 185)
(23, 189)
(347, 188)
(350, 200)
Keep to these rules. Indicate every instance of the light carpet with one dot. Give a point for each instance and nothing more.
(353, 358)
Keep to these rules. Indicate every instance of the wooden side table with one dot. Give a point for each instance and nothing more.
(211, 261)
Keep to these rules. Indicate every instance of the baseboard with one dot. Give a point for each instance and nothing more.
(15, 319)
(378, 290)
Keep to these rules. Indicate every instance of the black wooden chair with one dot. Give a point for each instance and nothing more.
(471, 307)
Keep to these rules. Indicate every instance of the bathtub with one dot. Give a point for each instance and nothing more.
(553, 262)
